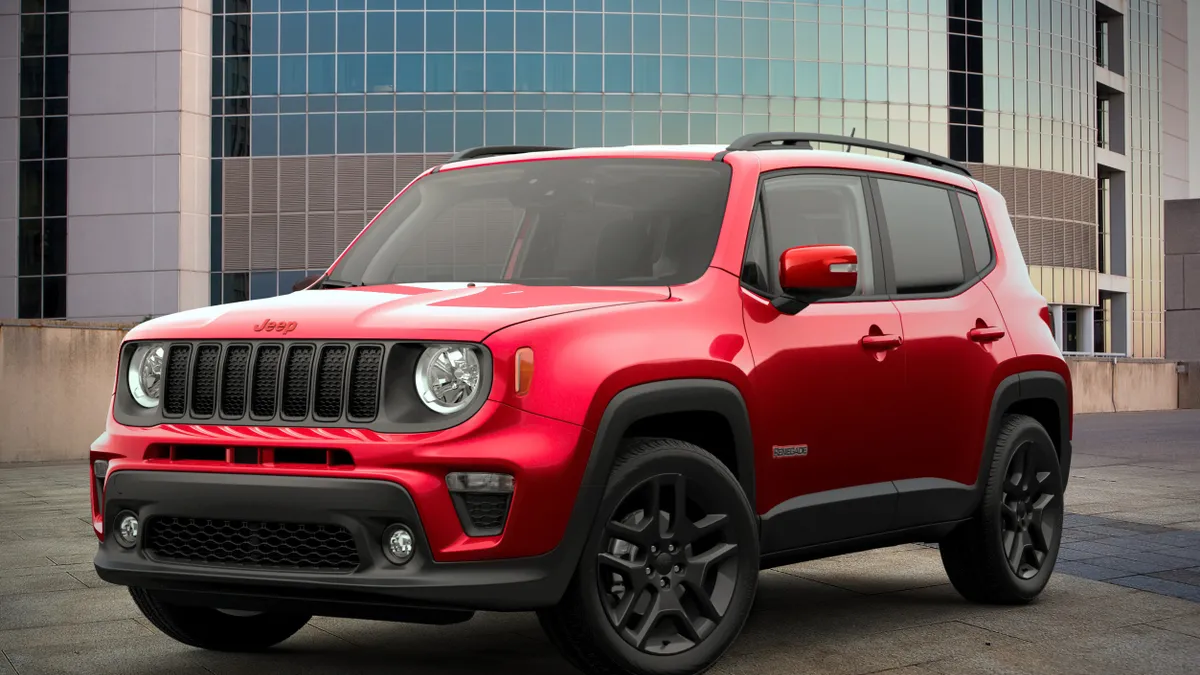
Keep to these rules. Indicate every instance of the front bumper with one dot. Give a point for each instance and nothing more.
(364, 507)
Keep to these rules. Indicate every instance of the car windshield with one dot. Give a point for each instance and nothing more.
(562, 222)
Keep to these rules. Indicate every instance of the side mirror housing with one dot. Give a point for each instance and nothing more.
(821, 272)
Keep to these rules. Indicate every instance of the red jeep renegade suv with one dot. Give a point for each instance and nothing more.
(606, 384)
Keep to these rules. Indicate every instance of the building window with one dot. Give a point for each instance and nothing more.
(1070, 329)
(42, 182)
(1102, 42)
(1103, 139)
(1103, 223)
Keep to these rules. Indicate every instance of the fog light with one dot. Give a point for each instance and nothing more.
(398, 544)
(495, 483)
(127, 529)
(100, 468)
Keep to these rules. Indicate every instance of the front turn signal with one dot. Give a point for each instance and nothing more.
(523, 374)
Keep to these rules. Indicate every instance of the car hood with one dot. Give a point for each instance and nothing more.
(445, 311)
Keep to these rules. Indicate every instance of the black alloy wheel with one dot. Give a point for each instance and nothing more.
(1030, 510)
(668, 575)
(1006, 552)
(669, 566)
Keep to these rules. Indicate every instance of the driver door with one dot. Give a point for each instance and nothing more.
(827, 399)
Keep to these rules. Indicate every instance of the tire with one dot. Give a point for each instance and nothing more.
(209, 628)
(607, 623)
(1006, 553)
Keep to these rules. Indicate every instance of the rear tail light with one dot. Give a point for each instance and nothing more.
(1044, 312)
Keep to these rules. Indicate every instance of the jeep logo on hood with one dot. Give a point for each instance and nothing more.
(270, 326)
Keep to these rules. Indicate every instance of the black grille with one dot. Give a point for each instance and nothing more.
(294, 546)
(487, 511)
(331, 373)
(233, 381)
(175, 392)
(265, 396)
(295, 382)
(322, 383)
(204, 381)
(364, 383)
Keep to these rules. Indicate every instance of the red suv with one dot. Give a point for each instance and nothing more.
(606, 384)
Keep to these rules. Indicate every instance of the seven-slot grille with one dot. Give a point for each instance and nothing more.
(264, 382)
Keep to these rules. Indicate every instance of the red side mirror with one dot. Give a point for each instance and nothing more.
(819, 272)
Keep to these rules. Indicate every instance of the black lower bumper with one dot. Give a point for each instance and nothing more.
(376, 588)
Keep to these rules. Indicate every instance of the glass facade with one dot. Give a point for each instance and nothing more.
(42, 172)
(1143, 77)
(998, 83)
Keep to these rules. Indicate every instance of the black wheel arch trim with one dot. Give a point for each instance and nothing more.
(1028, 386)
(664, 397)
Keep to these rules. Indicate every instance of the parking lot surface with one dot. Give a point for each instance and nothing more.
(1125, 597)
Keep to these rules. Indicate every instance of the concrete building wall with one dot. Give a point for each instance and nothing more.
(140, 141)
(1182, 248)
(10, 34)
(1193, 51)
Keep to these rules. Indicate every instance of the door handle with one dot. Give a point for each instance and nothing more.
(880, 342)
(985, 334)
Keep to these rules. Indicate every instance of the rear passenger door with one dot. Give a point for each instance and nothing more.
(938, 252)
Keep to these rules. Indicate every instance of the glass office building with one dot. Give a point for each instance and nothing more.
(321, 110)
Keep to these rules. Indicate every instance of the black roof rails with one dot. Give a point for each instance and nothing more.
(497, 150)
(784, 140)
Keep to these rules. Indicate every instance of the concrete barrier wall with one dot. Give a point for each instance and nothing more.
(56, 379)
(1123, 385)
(1189, 386)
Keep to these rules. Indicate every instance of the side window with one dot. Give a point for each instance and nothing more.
(981, 245)
(755, 266)
(926, 254)
(808, 209)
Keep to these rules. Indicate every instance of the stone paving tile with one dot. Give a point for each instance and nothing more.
(1088, 570)
(1185, 576)
(1161, 586)
(1134, 542)
(1094, 549)
(1135, 562)
(1188, 624)
(39, 583)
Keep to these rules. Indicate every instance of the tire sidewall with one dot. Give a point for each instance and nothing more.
(702, 468)
(1026, 430)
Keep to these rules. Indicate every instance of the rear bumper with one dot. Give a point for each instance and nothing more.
(364, 507)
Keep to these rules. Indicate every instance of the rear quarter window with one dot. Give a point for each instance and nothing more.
(977, 233)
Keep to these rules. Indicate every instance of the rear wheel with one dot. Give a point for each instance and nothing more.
(218, 629)
(1006, 553)
(666, 581)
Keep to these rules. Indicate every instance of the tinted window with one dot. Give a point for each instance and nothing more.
(574, 222)
(981, 247)
(925, 249)
(808, 209)
(755, 267)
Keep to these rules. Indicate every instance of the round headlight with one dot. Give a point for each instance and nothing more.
(145, 374)
(447, 378)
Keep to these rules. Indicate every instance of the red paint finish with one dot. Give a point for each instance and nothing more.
(815, 384)
(811, 267)
(951, 379)
(545, 456)
(878, 390)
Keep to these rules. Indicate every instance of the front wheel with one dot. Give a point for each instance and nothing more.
(667, 580)
(217, 629)
(1006, 553)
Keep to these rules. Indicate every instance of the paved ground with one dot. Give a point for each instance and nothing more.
(1134, 523)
